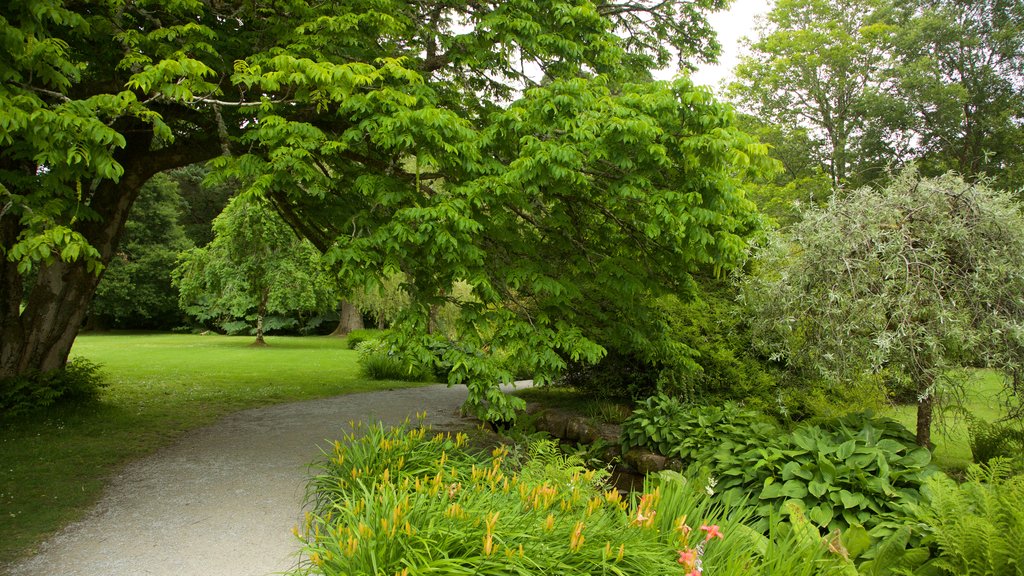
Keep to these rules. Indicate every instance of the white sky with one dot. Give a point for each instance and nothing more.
(732, 25)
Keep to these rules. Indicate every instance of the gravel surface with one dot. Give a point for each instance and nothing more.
(223, 499)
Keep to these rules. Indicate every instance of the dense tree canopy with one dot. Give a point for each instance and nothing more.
(960, 77)
(818, 65)
(879, 83)
(136, 289)
(394, 135)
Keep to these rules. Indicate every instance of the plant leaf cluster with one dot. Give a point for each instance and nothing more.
(857, 471)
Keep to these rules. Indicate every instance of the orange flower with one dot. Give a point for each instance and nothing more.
(688, 558)
(712, 532)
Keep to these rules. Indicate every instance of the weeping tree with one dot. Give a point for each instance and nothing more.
(254, 267)
(923, 277)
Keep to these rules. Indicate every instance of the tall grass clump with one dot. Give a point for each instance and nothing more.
(408, 502)
(380, 361)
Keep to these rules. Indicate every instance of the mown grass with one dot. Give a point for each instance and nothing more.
(982, 398)
(54, 463)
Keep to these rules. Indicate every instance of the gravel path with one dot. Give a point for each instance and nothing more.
(223, 499)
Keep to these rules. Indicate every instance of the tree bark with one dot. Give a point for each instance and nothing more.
(56, 301)
(261, 312)
(925, 409)
(351, 319)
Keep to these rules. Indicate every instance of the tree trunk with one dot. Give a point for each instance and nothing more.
(351, 319)
(261, 312)
(432, 318)
(925, 409)
(39, 338)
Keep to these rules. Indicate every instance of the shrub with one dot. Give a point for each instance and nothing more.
(712, 329)
(688, 431)
(356, 337)
(858, 470)
(380, 361)
(617, 376)
(79, 380)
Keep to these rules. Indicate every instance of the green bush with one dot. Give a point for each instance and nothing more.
(380, 361)
(854, 471)
(712, 330)
(407, 502)
(665, 425)
(79, 380)
(356, 337)
(617, 376)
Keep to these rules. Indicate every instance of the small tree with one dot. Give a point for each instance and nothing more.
(921, 277)
(255, 266)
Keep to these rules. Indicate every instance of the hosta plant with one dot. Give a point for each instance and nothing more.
(855, 471)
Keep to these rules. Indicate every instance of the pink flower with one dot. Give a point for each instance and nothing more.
(693, 572)
(712, 532)
(687, 558)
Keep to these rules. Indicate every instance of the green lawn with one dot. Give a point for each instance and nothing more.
(982, 398)
(53, 464)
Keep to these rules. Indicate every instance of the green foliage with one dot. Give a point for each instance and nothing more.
(910, 282)
(404, 501)
(380, 360)
(405, 137)
(854, 471)
(898, 555)
(617, 376)
(79, 380)
(715, 359)
(254, 268)
(357, 337)
(956, 65)
(978, 526)
(664, 424)
(996, 440)
(819, 65)
(136, 290)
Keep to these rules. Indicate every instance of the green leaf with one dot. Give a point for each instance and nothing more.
(845, 449)
(794, 489)
(820, 514)
(916, 458)
(856, 540)
(771, 490)
(816, 488)
(851, 500)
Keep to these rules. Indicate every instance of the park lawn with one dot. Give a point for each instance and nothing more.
(983, 398)
(54, 463)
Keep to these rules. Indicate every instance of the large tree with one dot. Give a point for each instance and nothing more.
(820, 65)
(960, 71)
(346, 117)
(920, 278)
